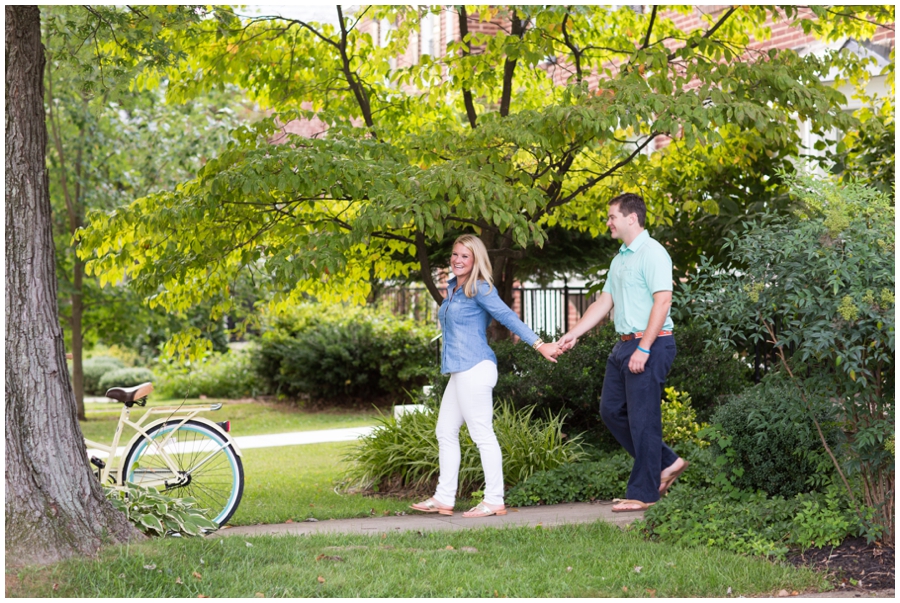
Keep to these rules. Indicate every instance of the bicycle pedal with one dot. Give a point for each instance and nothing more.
(97, 463)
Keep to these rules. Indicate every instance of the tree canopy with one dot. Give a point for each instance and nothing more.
(481, 138)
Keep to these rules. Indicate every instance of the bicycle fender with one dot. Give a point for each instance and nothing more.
(153, 424)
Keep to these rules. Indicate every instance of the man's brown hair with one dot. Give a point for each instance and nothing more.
(629, 203)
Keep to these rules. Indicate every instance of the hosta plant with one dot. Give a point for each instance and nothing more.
(156, 514)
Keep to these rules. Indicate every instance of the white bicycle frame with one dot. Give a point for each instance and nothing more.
(161, 446)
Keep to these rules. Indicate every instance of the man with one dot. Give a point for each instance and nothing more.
(639, 288)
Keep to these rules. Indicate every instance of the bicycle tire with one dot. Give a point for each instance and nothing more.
(217, 485)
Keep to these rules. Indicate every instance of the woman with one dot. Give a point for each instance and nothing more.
(465, 314)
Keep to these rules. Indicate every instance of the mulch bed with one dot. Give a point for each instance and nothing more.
(870, 566)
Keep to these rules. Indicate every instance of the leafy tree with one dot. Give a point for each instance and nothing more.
(108, 146)
(827, 277)
(480, 139)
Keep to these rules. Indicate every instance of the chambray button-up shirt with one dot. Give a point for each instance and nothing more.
(635, 274)
(464, 323)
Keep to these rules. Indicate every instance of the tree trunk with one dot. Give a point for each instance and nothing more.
(78, 339)
(54, 505)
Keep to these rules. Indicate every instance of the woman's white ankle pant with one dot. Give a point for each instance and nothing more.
(468, 399)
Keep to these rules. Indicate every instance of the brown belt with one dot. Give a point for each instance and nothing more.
(640, 334)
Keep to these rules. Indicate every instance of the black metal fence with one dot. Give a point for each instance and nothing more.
(549, 310)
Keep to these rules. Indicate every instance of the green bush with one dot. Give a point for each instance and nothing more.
(774, 445)
(94, 370)
(231, 375)
(572, 386)
(125, 377)
(751, 523)
(156, 514)
(709, 375)
(331, 352)
(403, 453)
(679, 419)
(574, 482)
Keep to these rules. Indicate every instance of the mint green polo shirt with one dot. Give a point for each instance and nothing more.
(636, 273)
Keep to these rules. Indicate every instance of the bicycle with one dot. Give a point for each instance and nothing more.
(180, 453)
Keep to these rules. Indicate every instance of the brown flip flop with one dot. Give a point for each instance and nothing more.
(642, 506)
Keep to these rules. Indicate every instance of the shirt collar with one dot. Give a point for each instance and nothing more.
(636, 243)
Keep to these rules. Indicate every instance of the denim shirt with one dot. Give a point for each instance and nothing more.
(464, 323)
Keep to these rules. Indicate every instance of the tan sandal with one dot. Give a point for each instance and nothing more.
(666, 482)
(430, 506)
(642, 506)
(482, 510)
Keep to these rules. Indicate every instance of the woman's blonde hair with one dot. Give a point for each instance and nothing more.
(481, 266)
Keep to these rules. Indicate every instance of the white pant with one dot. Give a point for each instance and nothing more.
(468, 400)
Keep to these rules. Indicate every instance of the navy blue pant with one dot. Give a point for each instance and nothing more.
(630, 408)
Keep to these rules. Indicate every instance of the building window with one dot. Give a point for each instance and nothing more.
(426, 37)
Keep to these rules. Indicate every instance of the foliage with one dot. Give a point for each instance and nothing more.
(94, 370)
(106, 141)
(125, 377)
(752, 524)
(679, 419)
(709, 374)
(154, 513)
(572, 386)
(403, 452)
(773, 441)
(337, 351)
(574, 482)
(230, 375)
(827, 275)
(484, 140)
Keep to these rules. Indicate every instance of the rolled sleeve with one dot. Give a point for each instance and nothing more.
(495, 307)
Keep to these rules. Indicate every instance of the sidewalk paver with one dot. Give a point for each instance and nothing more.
(544, 515)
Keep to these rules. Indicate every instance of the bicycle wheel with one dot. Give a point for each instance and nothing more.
(206, 467)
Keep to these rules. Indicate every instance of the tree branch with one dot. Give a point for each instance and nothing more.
(709, 33)
(425, 264)
(649, 28)
(467, 93)
(509, 66)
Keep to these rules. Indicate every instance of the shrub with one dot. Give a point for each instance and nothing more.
(574, 482)
(230, 375)
(572, 386)
(125, 377)
(678, 419)
(708, 374)
(154, 513)
(751, 523)
(820, 287)
(330, 352)
(403, 453)
(774, 444)
(94, 370)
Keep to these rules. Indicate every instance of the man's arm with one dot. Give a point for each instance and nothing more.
(596, 312)
(662, 301)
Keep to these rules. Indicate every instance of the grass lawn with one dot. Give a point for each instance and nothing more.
(297, 482)
(593, 560)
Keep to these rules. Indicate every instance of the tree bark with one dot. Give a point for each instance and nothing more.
(55, 507)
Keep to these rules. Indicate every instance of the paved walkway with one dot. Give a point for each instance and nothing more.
(296, 438)
(545, 515)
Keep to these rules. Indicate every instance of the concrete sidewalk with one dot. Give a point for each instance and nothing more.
(545, 515)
